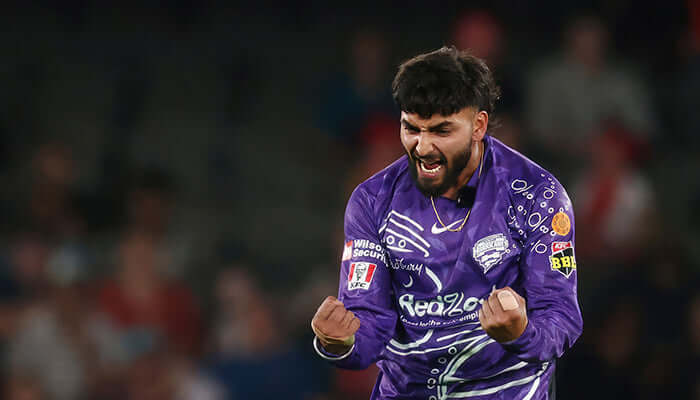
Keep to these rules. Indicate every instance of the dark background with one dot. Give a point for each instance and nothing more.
(173, 177)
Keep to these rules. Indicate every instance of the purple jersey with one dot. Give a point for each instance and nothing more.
(417, 287)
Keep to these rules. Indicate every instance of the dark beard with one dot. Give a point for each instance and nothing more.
(451, 175)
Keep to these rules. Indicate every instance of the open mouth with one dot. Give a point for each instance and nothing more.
(431, 167)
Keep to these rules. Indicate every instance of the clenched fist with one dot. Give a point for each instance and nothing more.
(335, 326)
(503, 315)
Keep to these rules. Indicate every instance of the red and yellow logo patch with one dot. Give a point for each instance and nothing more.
(563, 259)
(360, 276)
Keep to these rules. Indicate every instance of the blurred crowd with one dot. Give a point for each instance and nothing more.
(172, 185)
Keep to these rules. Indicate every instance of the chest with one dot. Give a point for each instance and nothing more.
(440, 273)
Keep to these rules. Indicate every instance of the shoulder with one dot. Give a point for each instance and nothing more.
(525, 180)
(374, 195)
(537, 202)
(378, 183)
(381, 186)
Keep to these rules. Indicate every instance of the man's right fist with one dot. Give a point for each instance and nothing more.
(335, 326)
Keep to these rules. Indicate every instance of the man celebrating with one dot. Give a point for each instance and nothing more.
(458, 274)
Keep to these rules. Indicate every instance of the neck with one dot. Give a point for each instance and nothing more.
(466, 175)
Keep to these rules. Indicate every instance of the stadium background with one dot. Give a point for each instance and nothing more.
(173, 178)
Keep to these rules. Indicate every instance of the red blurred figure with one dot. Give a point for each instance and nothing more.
(139, 297)
(481, 34)
(23, 388)
(614, 198)
(245, 324)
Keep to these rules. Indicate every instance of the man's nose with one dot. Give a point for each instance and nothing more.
(425, 145)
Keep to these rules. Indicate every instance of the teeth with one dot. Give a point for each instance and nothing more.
(422, 166)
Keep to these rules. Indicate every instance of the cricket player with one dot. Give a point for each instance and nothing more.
(458, 275)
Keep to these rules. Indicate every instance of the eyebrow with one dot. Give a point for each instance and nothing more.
(434, 128)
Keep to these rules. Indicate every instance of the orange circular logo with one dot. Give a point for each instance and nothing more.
(561, 223)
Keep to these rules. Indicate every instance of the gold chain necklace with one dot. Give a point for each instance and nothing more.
(481, 164)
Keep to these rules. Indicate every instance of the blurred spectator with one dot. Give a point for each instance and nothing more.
(482, 34)
(255, 358)
(349, 384)
(149, 202)
(508, 130)
(665, 275)
(244, 324)
(192, 383)
(614, 199)
(150, 208)
(148, 309)
(605, 362)
(379, 146)
(50, 204)
(29, 254)
(161, 376)
(571, 96)
(148, 379)
(60, 340)
(322, 281)
(23, 387)
(360, 90)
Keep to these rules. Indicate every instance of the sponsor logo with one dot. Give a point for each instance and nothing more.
(436, 231)
(347, 251)
(449, 305)
(562, 259)
(561, 223)
(488, 251)
(409, 267)
(360, 276)
(366, 248)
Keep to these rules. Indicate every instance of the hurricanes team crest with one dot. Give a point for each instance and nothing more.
(489, 251)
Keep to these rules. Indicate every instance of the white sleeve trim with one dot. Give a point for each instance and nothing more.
(327, 357)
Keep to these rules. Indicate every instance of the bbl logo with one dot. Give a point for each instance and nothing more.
(562, 258)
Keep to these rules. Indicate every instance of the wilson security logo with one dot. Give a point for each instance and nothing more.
(360, 276)
(367, 248)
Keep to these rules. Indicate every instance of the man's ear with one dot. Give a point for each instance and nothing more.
(481, 123)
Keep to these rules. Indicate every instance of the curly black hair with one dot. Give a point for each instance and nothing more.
(444, 82)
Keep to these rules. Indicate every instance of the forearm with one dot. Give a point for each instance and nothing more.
(370, 340)
(546, 336)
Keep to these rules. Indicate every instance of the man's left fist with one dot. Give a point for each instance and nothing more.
(503, 315)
